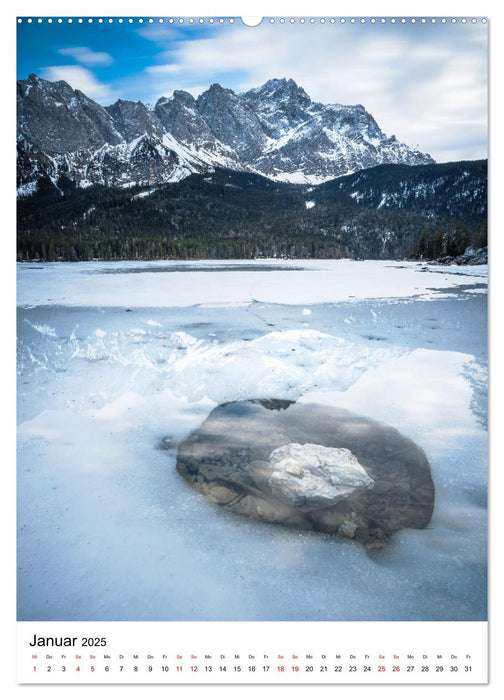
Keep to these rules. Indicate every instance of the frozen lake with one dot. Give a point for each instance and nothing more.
(113, 358)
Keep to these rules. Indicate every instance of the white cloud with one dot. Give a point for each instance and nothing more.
(164, 69)
(81, 79)
(420, 83)
(87, 56)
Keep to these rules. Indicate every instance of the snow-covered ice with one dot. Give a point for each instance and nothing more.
(115, 357)
(148, 284)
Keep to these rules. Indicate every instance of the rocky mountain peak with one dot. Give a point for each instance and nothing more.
(217, 99)
(232, 121)
(184, 97)
(214, 90)
(56, 119)
(133, 119)
(274, 130)
(279, 89)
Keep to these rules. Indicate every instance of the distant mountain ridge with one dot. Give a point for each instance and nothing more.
(275, 130)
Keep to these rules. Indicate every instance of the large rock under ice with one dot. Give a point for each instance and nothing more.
(309, 466)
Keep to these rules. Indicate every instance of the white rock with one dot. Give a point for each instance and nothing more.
(314, 476)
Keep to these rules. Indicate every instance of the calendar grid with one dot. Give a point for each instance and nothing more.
(322, 653)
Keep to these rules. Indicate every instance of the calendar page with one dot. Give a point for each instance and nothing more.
(251, 349)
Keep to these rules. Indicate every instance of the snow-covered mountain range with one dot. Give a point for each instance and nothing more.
(275, 130)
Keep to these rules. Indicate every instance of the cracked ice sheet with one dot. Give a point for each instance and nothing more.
(108, 531)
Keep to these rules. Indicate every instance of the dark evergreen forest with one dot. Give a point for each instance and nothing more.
(389, 211)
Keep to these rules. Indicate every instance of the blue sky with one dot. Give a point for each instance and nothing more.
(425, 83)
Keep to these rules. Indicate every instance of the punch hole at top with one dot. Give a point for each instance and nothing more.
(252, 21)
